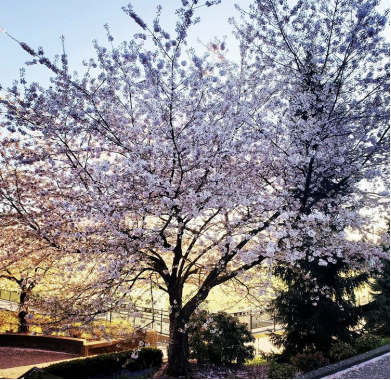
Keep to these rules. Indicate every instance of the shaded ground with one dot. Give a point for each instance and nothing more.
(16, 357)
(377, 368)
(216, 372)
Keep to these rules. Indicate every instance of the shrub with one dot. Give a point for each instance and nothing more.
(150, 357)
(384, 341)
(8, 321)
(116, 329)
(340, 351)
(366, 343)
(219, 339)
(103, 365)
(308, 362)
(95, 330)
(75, 332)
(281, 371)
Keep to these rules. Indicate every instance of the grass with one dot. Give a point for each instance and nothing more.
(258, 361)
(384, 341)
(265, 335)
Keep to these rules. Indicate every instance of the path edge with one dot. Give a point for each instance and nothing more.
(345, 364)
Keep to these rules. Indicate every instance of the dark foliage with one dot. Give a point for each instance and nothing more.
(103, 365)
(309, 362)
(281, 371)
(366, 343)
(219, 339)
(340, 351)
(377, 312)
(149, 357)
(316, 305)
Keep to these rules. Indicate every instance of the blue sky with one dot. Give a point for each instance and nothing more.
(42, 22)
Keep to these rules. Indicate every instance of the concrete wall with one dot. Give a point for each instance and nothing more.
(44, 342)
(77, 346)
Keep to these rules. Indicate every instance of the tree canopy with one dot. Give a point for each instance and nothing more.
(163, 166)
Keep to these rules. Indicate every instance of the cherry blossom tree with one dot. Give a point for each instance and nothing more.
(26, 260)
(322, 74)
(37, 242)
(161, 166)
(27, 255)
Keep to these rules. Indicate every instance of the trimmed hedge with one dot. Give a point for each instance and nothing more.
(103, 365)
(149, 357)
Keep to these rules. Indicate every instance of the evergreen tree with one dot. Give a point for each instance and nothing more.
(377, 312)
(316, 304)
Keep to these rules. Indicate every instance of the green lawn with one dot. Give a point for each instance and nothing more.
(384, 341)
(256, 361)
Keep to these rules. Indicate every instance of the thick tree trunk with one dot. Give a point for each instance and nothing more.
(178, 346)
(22, 325)
(23, 311)
(178, 349)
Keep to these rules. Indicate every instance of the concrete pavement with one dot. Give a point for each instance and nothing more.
(377, 368)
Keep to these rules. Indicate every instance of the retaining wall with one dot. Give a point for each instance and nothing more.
(77, 346)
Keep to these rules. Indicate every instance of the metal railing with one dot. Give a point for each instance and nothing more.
(9, 296)
(143, 317)
(255, 319)
(158, 319)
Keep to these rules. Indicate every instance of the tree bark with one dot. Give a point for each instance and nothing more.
(23, 326)
(178, 348)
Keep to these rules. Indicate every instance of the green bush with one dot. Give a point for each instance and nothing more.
(150, 357)
(103, 365)
(309, 361)
(340, 351)
(384, 341)
(281, 371)
(366, 343)
(219, 339)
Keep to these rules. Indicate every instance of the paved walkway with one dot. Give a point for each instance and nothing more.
(16, 361)
(377, 368)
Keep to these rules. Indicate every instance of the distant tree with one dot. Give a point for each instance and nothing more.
(26, 261)
(29, 253)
